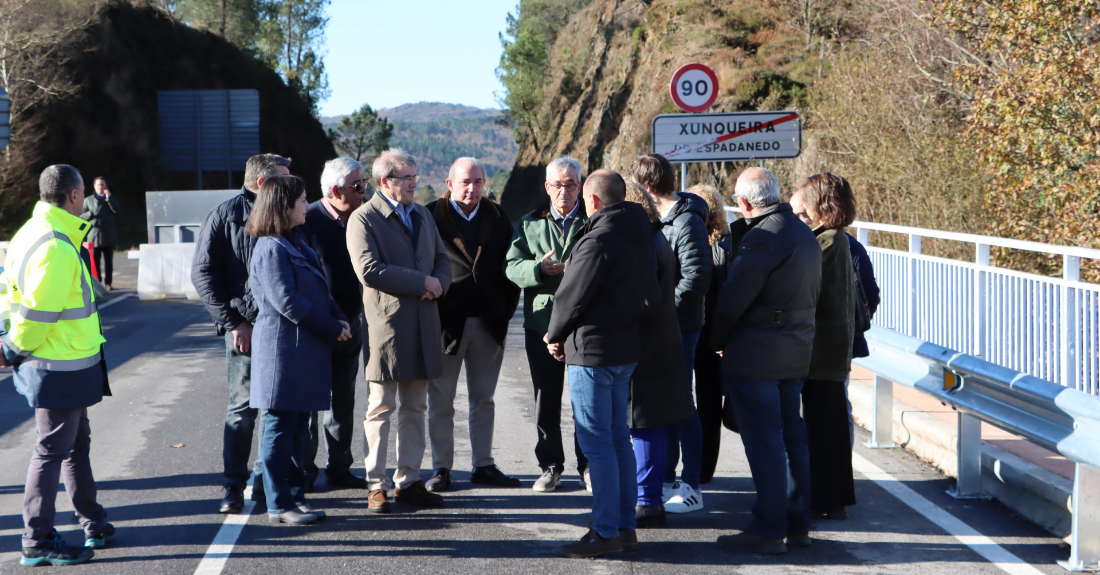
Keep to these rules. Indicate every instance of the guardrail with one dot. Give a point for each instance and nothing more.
(1048, 327)
(1063, 420)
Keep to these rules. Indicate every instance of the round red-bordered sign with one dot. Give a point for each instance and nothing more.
(694, 88)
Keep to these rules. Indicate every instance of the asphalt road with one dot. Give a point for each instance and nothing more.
(157, 458)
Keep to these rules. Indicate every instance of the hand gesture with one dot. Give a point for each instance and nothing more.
(346, 333)
(557, 350)
(433, 287)
(550, 266)
(242, 337)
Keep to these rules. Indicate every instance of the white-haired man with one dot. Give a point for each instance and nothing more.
(342, 185)
(401, 261)
(543, 241)
(764, 328)
(474, 315)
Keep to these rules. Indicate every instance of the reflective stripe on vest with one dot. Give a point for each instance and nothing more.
(61, 364)
(86, 310)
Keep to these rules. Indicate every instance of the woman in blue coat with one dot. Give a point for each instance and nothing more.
(291, 342)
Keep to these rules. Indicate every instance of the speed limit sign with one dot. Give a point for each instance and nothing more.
(694, 88)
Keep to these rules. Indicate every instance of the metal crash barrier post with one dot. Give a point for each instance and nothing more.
(882, 415)
(1084, 552)
(969, 450)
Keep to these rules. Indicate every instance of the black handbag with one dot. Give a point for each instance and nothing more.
(863, 311)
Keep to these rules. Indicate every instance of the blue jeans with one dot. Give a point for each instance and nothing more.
(600, 397)
(649, 450)
(240, 419)
(686, 435)
(773, 433)
(281, 450)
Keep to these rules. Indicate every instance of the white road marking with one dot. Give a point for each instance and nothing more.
(963, 533)
(219, 551)
(114, 301)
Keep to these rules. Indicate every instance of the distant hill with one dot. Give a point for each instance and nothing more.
(436, 134)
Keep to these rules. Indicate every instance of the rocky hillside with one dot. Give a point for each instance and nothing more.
(118, 62)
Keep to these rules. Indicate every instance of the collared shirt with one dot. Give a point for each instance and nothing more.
(566, 221)
(332, 212)
(405, 212)
(470, 217)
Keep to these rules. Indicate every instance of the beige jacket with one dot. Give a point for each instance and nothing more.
(403, 332)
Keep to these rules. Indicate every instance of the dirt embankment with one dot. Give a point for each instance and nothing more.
(109, 126)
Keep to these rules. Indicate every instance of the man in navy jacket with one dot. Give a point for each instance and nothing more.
(342, 184)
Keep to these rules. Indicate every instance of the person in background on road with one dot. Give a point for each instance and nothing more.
(660, 394)
(342, 187)
(100, 209)
(474, 315)
(764, 327)
(402, 263)
(219, 272)
(296, 325)
(542, 243)
(708, 364)
(594, 329)
(685, 226)
(830, 206)
(54, 342)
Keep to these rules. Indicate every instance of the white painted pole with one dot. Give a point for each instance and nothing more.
(683, 177)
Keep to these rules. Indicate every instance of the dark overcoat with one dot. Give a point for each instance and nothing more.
(297, 323)
(660, 392)
(477, 276)
(835, 318)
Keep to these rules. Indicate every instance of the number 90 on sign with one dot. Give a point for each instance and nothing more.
(694, 88)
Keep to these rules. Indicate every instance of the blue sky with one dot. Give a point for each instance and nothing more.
(386, 53)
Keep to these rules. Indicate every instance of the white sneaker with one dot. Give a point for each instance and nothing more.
(587, 481)
(669, 490)
(686, 501)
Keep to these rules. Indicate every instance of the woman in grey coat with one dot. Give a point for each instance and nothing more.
(291, 342)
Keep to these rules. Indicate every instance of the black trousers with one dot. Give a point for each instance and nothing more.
(548, 377)
(708, 398)
(339, 421)
(105, 263)
(825, 409)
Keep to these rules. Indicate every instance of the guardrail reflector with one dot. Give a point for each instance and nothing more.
(950, 380)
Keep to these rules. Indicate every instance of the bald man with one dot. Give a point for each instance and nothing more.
(594, 329)
(474, 315)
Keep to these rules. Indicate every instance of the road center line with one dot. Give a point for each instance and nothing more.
(113, 301)
(965, 534)
(213, 562)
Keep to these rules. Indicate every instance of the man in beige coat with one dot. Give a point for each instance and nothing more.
(401, 261)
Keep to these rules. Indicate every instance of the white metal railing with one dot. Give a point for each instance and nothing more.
(1047, 327)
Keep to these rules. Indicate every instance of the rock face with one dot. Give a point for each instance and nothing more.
(120, 61)
(609, 72)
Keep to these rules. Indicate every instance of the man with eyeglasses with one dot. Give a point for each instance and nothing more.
(474, 314)
(541, 244)
(402, 263)
(342, 187)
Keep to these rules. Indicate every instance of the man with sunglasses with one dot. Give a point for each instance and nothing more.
(342, 184)
(542, 243)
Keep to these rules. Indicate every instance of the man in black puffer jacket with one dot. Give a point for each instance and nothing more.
(685, 226)
(219, 272)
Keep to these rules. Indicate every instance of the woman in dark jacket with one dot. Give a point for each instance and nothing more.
(291, 343)
(659, 390)
(708, 364)
(829, 207)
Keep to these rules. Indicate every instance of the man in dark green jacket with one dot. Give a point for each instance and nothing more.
(100, 209)
(542, 243)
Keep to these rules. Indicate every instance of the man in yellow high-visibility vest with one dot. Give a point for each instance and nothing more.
(54, 341)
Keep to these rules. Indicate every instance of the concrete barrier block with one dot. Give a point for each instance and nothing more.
(164, 270)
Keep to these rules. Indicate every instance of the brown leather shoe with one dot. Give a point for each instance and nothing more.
(441, 481)
(592, 545)
(417, 494)
(377, 502)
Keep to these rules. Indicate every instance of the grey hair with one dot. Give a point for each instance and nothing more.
(336, 174)
(262, 166)
(469, 162)
(759, 191)
(562, 164)
(56, 182)
(387, 164)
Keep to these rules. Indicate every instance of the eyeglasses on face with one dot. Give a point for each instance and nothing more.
(407, 179)
(357, 186)
(569, 186)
